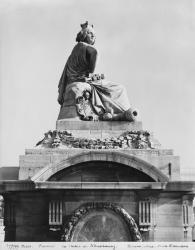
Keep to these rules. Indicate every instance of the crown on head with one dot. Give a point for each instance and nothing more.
(85, 25)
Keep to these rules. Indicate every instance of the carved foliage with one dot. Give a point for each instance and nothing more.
(128, 140)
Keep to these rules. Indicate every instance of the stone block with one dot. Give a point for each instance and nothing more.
(170, 208)
(68, 112)
(35, 160)
(127, 126)
(27, 233)
(105, 195)
(169, 234)
(169, 220)
(70, 207)
(161, 161)
(96, 134)
(67, 124)
(23, 173)
(81, 133)
(26, 173)
(130, 207)
(106, 134)
(31, 216)
(55, 158)
(31, 164)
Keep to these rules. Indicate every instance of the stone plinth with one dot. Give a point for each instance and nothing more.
(97, 125)
(100, 129)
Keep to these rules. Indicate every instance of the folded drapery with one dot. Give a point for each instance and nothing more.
(107, 101)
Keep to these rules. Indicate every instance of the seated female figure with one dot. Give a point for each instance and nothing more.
(85, 95)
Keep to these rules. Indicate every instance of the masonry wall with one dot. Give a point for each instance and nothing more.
(36, 159)
(31, 216)
(169, 219)
(29, 221)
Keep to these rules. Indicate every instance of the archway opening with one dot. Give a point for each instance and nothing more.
(101, 171)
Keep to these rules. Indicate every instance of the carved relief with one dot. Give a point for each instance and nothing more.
(71, 227)
(85, 108)
(128, 140)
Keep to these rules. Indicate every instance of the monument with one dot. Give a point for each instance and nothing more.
(99, 176)
(86, 94)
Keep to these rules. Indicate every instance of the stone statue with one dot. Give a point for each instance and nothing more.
(88, 96)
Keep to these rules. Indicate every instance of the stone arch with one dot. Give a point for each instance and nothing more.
(72, 229)
(118, 157)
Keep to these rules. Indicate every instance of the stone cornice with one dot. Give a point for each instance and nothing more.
(27, 185)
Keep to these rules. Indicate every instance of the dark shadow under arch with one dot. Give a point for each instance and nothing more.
(101, 171)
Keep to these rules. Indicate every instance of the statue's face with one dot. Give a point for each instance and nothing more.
(90, 36)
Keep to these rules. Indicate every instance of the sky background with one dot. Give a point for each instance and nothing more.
(147, 45)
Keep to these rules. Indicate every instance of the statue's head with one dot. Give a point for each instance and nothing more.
(87, 34)
(87, 95)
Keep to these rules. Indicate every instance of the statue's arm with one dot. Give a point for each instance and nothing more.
(91, 54)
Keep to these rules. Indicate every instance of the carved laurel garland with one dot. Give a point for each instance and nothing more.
(87, 208)
(127, 140)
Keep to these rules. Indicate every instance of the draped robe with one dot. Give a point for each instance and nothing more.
(106, 96)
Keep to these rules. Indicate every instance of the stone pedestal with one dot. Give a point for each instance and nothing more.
(144, 182)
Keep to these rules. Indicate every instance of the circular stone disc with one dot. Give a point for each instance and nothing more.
(101, 226)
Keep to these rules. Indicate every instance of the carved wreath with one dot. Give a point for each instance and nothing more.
(87, 208)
